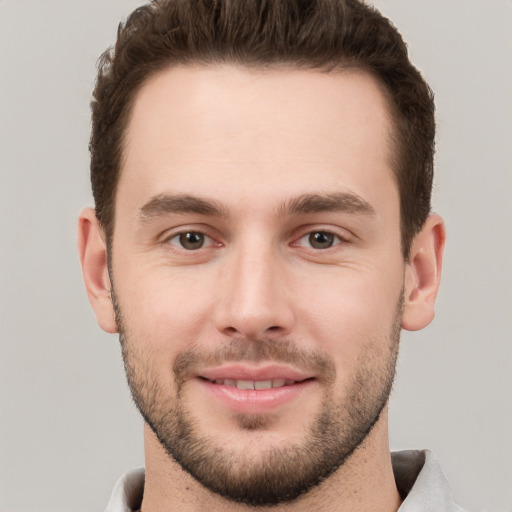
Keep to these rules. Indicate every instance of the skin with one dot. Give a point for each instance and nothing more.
(252, 143)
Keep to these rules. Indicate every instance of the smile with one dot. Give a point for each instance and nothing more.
(254, 384)
(245, 390)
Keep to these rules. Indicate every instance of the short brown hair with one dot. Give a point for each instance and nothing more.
(312, 34)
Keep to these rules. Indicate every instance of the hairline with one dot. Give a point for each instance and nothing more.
(395, 138)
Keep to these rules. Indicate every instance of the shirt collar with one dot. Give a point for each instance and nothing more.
(127, 493)
(421, 482)
(418, 477)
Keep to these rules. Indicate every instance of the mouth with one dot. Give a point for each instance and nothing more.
(255, 390)
(254, 384)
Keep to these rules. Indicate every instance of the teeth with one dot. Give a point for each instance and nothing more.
(245, 384)
(252, 384)
(263, 384)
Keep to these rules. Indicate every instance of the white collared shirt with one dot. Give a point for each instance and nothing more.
(418, 477)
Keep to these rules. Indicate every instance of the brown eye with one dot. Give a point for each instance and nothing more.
(321, 239)
(191, 240)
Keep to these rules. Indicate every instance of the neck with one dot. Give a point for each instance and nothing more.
(364, 483)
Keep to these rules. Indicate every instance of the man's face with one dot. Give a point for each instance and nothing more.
(257, 271)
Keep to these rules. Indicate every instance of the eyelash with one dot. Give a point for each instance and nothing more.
(325, 236)
(322, 236)
(180, 239)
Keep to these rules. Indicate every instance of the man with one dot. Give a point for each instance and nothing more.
(262, 231)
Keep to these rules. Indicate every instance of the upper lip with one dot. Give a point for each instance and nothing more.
(244, 372)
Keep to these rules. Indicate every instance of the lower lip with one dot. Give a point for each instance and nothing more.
(255, 401)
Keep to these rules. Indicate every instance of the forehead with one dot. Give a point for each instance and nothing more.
(228, 129)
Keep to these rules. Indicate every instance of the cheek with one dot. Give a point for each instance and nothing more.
(163, 310)
(351, 314)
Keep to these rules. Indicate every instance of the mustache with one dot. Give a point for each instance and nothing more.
(189, 362)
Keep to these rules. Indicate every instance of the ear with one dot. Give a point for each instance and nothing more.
(92, 249)
(423, 274)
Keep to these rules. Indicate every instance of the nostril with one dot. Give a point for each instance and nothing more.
(233, 331)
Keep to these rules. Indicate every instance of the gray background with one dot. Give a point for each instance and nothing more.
(67, 426)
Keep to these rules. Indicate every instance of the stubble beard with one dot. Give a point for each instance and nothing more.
(281, 474)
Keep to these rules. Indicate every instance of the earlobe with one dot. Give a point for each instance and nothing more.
(423, 274)
(93, 259)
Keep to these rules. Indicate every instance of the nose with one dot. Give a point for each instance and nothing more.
(255, 302)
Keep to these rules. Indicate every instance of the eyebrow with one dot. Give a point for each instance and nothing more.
(302, 205)
(334, 202)
(180, 203)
